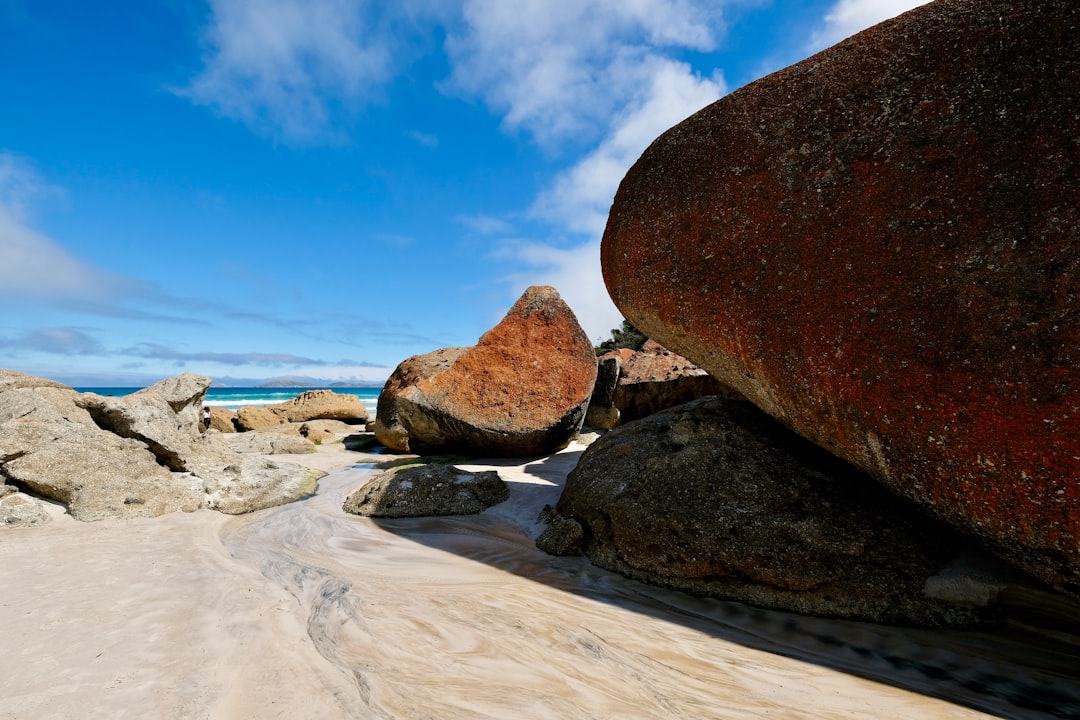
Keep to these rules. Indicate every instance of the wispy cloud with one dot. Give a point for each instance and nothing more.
(575, 273)
(486, 224)
(152, 351)
(289, 68)
(594, 74)
(55, 341)
(848, 17)
(666, 93)
(560, 72)
(35, 266)
(429, 140)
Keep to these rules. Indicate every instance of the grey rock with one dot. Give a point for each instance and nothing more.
(13, 380)
(148, 418)
(43, 404)
(20, 510)
(139, 455)
(602, 413)
(561, 535)
(51, 446)
(184, 393)
(265, 442)
(257, 483)
(715, 498)
(427, 490)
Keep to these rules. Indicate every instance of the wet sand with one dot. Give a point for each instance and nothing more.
(303, 611)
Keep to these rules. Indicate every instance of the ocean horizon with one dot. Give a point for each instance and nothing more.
(231, 398)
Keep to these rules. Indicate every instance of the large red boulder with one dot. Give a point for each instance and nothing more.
(521, 390)
(880, 246)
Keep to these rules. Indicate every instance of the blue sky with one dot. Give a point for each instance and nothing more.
(250, 189)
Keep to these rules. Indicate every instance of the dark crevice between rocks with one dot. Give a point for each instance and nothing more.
(115, 423)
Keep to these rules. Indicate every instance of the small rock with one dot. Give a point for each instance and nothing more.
(427, 490)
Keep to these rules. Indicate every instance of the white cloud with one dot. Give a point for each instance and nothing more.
(56, 341)
(668, 92)
(592, 73)
(486, 224)
(430, 140)
(286, 67)
(848, 17)
(32, 265)
(559, 71)
(575, 273)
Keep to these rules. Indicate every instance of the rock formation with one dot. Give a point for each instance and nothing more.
(268, 442)
(521, 390)
(14, 380)
(880, 246)
(255, 417)
(136, 456)
(427, 490)
(308, 405)
(602, 413)
(222, 420)
(255, 483)
(321, 405)
(319, 431)
(654, 378)
(411, 371)
(21, 510)
(716, 498)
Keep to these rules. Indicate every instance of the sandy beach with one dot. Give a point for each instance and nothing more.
(303, 611)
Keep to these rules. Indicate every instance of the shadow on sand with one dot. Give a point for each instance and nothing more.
(1005, 672)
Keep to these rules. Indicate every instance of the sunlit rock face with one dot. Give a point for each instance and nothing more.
(521, 390)
(880, 246)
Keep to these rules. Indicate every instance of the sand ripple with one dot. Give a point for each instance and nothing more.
(306, 612)
(464, 618)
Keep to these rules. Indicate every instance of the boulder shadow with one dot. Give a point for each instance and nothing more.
(1005, 671)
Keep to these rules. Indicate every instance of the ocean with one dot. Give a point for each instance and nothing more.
(232, 398)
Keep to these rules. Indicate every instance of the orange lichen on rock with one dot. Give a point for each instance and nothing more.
(880, 246)
(521, 390)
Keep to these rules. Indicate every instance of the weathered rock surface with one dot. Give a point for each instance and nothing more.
(320, 431)
(716, 498)
(14, 380)
(21, 510)
(521, 390)
(256, 483)
(256, 417)
(268, 442)
(880, 246)
(222, 420)
(52, 446)
(561, 535)
(136, 456)
(308, 405)
(602, 413)
(427, 490)
(654, 378)
(321, 405)
(387, 427)
(165, 416)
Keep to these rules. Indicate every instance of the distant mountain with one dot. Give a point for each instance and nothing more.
(309, 382)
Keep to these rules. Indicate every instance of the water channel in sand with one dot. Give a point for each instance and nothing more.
(464, 617)
(304, 611)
